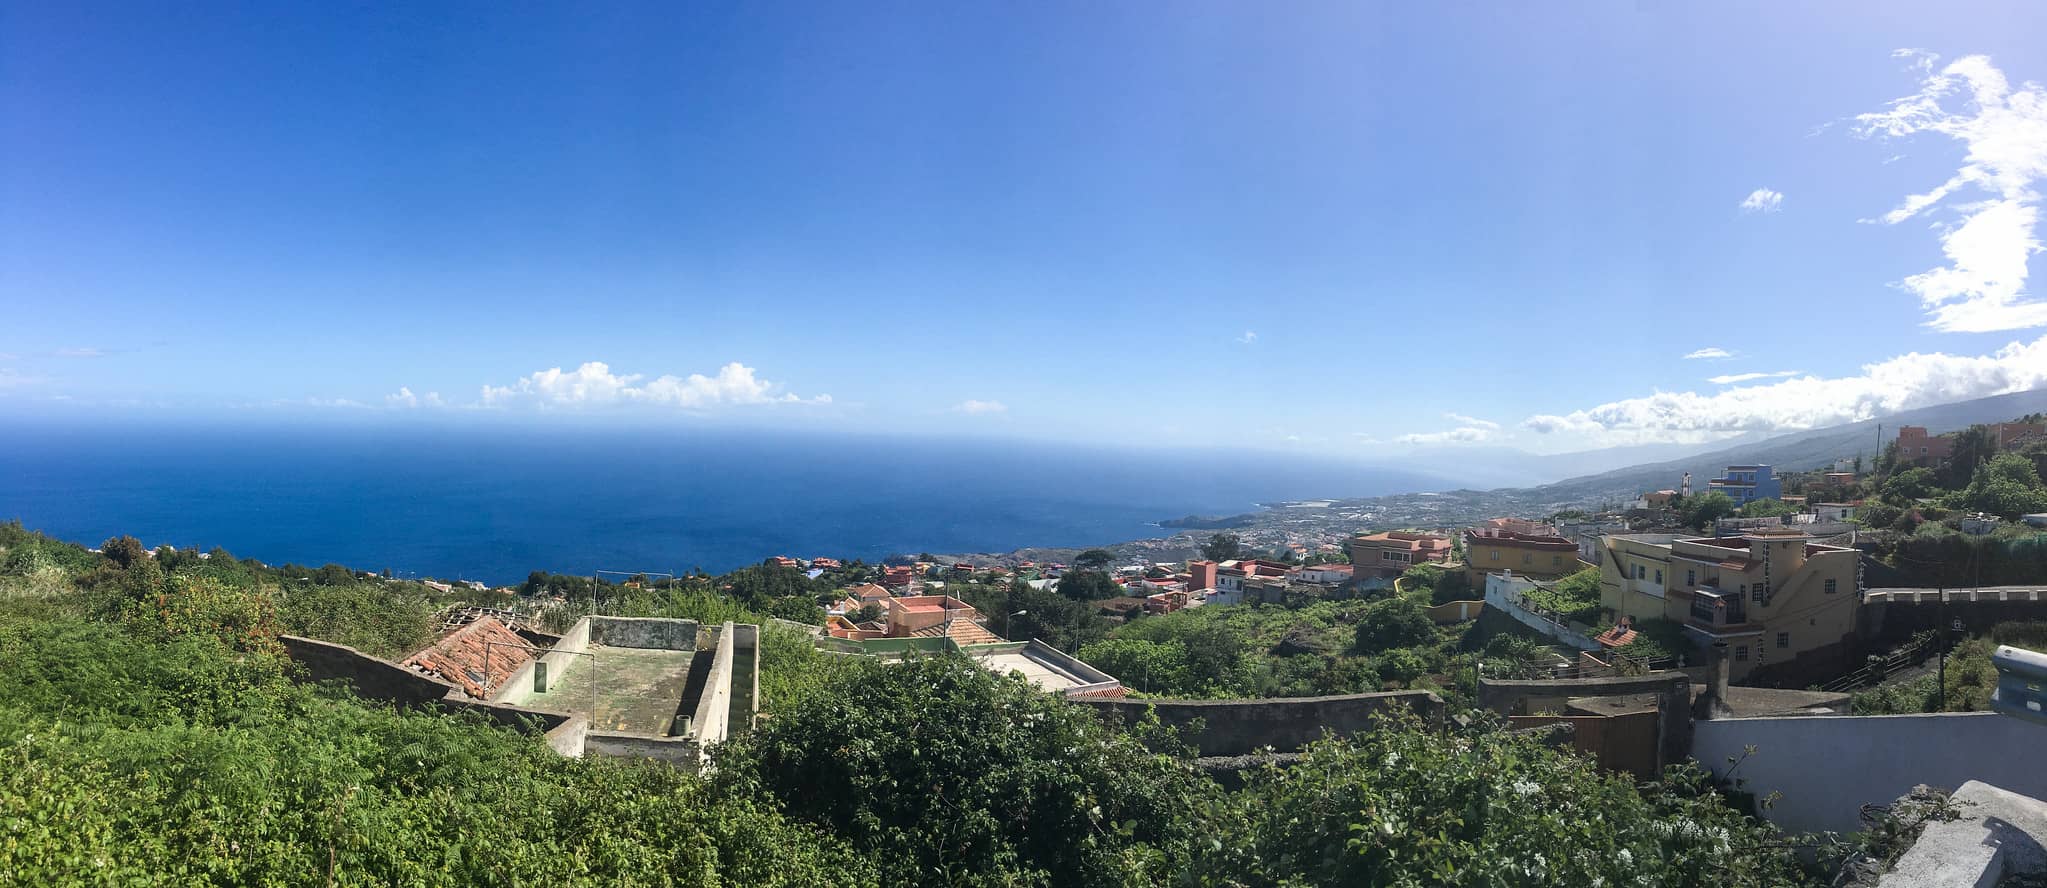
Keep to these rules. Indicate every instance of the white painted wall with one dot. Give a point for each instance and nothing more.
(1828, 767)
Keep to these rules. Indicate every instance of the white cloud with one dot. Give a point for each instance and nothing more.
(9, 378)
(593, 384)
(1762, 200)
(1248, 337)
(1459, 435)
(404, 398)
(1901, 383)
(1982, 288)
(331, 402)
(977, 407)
(1461, 419)
(80, 353)
(1732, 378)
(1711, 354)
(1469, 429)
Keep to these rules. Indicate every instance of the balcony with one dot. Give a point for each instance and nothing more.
(1714, 611)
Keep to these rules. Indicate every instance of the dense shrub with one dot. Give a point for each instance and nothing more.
(1480, 807)
(948, 774)
(175, 760)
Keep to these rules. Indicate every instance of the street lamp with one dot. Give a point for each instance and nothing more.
(1005, 623)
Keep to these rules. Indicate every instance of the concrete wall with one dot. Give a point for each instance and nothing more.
(1673, 691)
(566, 651)
(1456, 611)
(710, 722)
(1503, 593)
(1095, 682)
(1828, 767)
(568, 737)
(1624, 743)
(644, 632)
(371, 678)
(1239, 727)
(682, 752)
(744, 640)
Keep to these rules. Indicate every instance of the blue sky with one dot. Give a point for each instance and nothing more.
(1345, 228)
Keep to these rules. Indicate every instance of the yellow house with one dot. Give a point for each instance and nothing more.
(1771, 595)
(1493, 550)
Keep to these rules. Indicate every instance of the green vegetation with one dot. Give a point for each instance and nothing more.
(1971, 678)
(1766, 508)
(1573, 598)
(1223, 547)
(150, 733)
(1484, 808)
(1438, 584)
(1323, 647)
(1701, 510)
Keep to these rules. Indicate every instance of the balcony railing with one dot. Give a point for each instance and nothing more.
(1714, 608)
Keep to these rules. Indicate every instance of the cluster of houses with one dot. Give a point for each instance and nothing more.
(1767, 592)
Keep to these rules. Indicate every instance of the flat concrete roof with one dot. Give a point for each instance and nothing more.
(1047, 676)
(635, 690)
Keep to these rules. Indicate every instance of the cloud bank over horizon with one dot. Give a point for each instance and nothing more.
(1904, 382)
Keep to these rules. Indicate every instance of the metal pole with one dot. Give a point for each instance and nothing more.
(1942, 629)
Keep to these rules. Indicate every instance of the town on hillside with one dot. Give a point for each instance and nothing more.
(1768, 627)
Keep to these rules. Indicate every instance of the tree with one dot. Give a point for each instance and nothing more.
(1394, 623)
(1093, 559)
(1222, 547)
(867, 613)
(1909, 485)
(1703, 509)
(123, 551)
(1088, 585)
(1973, 447)
(2007, 486)
(949, 774)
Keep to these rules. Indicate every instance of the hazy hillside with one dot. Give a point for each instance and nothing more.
(1801, 451)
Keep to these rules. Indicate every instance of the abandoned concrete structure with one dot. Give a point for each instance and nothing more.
(626, 686)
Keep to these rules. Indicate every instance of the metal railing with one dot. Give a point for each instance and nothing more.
(1880, 670)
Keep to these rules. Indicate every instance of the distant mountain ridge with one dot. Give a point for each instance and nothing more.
(1800, 451)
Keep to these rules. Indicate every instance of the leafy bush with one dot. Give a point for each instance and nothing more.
(1394, 623)
(1407, 805)
(948, 774)
(171, 759)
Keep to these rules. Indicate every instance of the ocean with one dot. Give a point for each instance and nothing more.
(496, 502)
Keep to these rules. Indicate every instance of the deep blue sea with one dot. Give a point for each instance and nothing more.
(497, 502)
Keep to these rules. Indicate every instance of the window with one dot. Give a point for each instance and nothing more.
(1691, 578)
(1640, 572)
(1556, 560)
(1832, 586)
(1659, 576)
(1744, 588)
(1783, 639)
(1496, 554)
(1741, 653)
(1527, 558)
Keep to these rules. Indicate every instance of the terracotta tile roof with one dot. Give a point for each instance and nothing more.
(962, 631)
(460, 656)
(869, 592)
(1618, 636)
